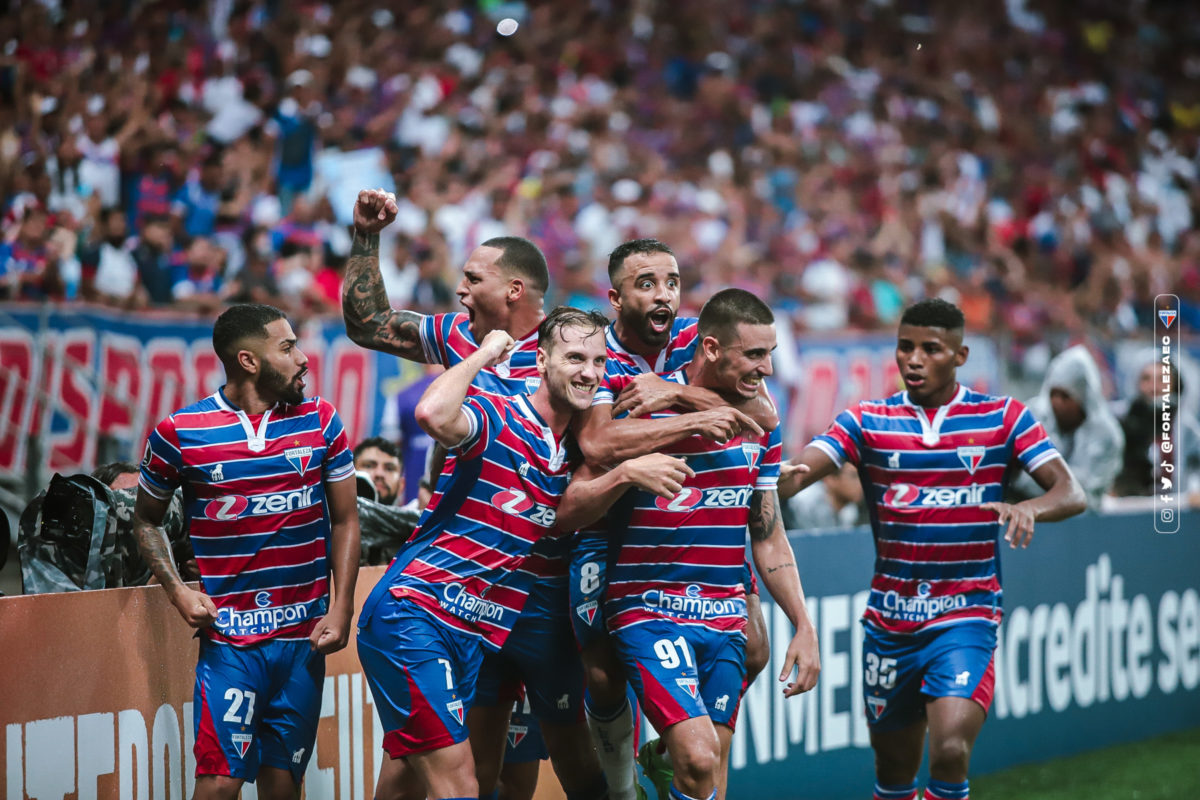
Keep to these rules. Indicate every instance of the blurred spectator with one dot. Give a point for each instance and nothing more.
(835, 502)
(1072, 408)
(153, 255)
(379, 458)
(110, 272)
(1144, 463)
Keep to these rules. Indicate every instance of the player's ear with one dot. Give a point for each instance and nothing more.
(542, 360)
(711, 348)
(516, 289)
(614, 300)
(248, 361)
(960, 357)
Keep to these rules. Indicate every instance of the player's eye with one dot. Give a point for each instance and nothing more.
(674, 284)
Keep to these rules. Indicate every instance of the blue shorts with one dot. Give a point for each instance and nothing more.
(587, 578)
(422, 676)
(257, 706)
(541, 654)
(901, 672)
(525, 742)
(683, 671)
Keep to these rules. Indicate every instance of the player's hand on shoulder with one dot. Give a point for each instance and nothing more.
(196, 608)
(659, 474)
(646, 394)
(374, 210)
(724, 423)
(1018, 517)
(497, 344)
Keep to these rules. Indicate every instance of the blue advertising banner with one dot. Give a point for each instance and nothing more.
(1100, 644)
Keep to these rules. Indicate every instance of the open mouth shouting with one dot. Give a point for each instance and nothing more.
(660, 320)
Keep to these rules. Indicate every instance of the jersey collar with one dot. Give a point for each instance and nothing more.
(931, 432)
(256, 440)
(615, 346)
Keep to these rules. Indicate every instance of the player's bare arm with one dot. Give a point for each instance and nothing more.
(649, 393)
(196, 608)
(608, 441)
(440, 412)
(371, 322)
(1064, 498)
(776, 564)
(593, 489)
(796, 475)
(333, 631)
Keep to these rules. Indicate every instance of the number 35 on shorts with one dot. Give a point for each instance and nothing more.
(879, 672)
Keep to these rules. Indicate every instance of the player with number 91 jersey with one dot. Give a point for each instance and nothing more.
(675, 599)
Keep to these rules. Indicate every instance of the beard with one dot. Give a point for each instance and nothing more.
(640, 324)
(273, 382)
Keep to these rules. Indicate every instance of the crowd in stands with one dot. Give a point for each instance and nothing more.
(1034, 161)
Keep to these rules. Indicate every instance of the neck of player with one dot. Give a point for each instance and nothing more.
(556, 413)
(943, 396)
(245, 395)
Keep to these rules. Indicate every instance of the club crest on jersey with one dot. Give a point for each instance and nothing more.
(241, 743)
(877, 705)
(971, 457)
(688, 685)
(751, 451)
(1167, 315)
(455, 707)
(588, 611)
(532, 384)
(299, 457)
(517, 734)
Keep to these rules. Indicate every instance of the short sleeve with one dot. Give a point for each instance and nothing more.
(842, 440)
(486, 421)
(435, 331)
(339, 459)
(162, 462)
(771, 455)
(1028, 440)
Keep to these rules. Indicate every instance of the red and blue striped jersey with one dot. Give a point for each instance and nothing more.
(447, 340)
(925, 473)
(683, 559)
(473, 562)
(623, 364)
(254, 497)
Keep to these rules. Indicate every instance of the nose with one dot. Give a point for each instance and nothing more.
(767, 368)
(663, 293)
(300, 358)
(461, 289)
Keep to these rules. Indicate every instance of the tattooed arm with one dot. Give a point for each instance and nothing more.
(371, 322)
(777, 569)
(196, 608)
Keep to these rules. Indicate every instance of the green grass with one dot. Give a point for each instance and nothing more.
(1166, 768)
